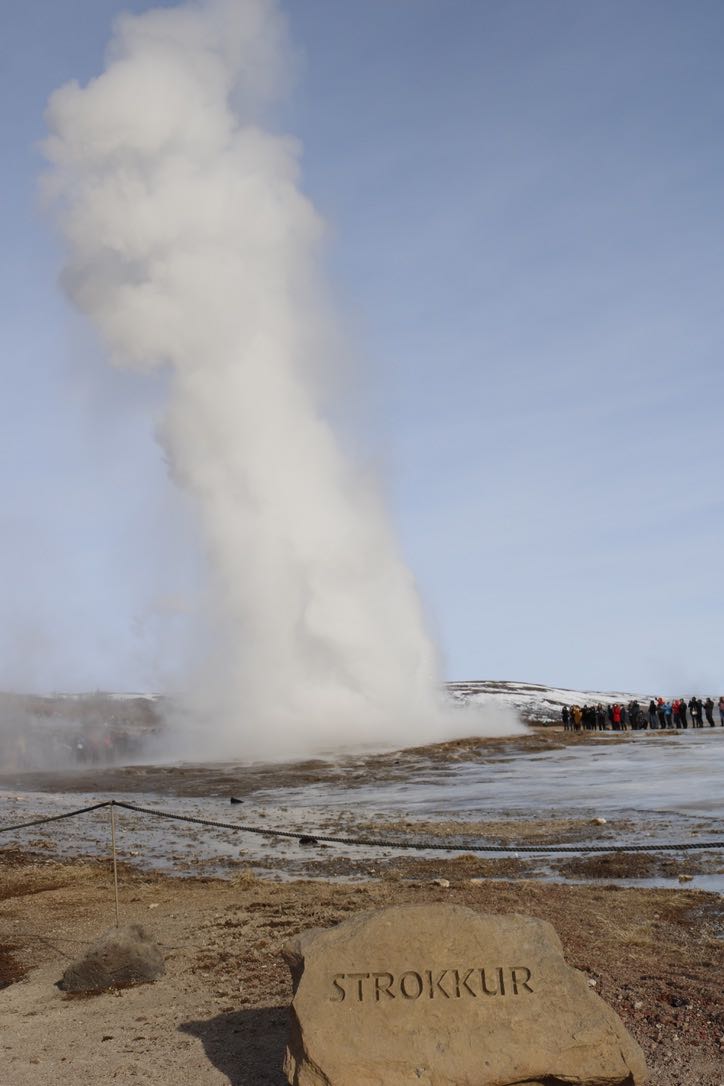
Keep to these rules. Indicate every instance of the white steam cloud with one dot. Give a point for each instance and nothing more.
(192, 248)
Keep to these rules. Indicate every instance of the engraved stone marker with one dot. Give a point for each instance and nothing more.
(440, 995)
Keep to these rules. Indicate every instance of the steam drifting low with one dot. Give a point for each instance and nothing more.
(192, 248)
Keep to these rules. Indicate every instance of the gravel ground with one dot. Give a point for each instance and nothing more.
(220, 1013)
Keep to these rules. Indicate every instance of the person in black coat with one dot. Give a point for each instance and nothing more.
(682, 713)
(709, 710)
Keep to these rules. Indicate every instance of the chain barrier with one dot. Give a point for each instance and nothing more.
(375, 842)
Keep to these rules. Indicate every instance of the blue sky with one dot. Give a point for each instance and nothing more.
(525, 206)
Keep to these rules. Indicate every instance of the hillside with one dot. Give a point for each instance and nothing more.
(535, 703)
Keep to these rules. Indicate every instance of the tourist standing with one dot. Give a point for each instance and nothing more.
(682, 712)
(721, 710)
(652, 715)
(709, 710)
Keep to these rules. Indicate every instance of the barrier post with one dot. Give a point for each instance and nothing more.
(115, 864)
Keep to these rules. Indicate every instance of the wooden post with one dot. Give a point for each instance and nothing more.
(115, 865)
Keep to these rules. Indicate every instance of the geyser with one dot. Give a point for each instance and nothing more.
(192, 248)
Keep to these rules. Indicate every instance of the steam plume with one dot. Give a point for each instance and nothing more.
(192, 248)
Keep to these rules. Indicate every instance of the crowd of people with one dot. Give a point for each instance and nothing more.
(661, 715)
(27, 745)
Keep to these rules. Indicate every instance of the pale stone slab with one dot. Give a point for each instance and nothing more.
(440, 995)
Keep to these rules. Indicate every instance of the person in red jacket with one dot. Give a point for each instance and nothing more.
(617, 717)
(660, 713)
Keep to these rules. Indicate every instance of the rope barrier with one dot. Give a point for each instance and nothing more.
(376, 842)
(422, 846)
(56, 818)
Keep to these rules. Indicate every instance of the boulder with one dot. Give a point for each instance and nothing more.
(441, 995)
(121, 957)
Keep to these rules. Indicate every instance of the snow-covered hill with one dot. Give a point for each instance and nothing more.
(536, 703)
(533, 701)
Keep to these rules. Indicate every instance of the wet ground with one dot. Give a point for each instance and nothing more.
(639, 925)
(544, 788)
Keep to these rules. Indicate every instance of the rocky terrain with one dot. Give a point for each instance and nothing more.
(219, 1015)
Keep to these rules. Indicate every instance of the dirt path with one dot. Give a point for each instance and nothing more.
(219, 1015)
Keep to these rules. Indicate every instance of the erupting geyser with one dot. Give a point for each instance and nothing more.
(192, 248)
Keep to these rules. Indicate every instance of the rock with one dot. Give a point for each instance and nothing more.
(121, 957)
(441, 995)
